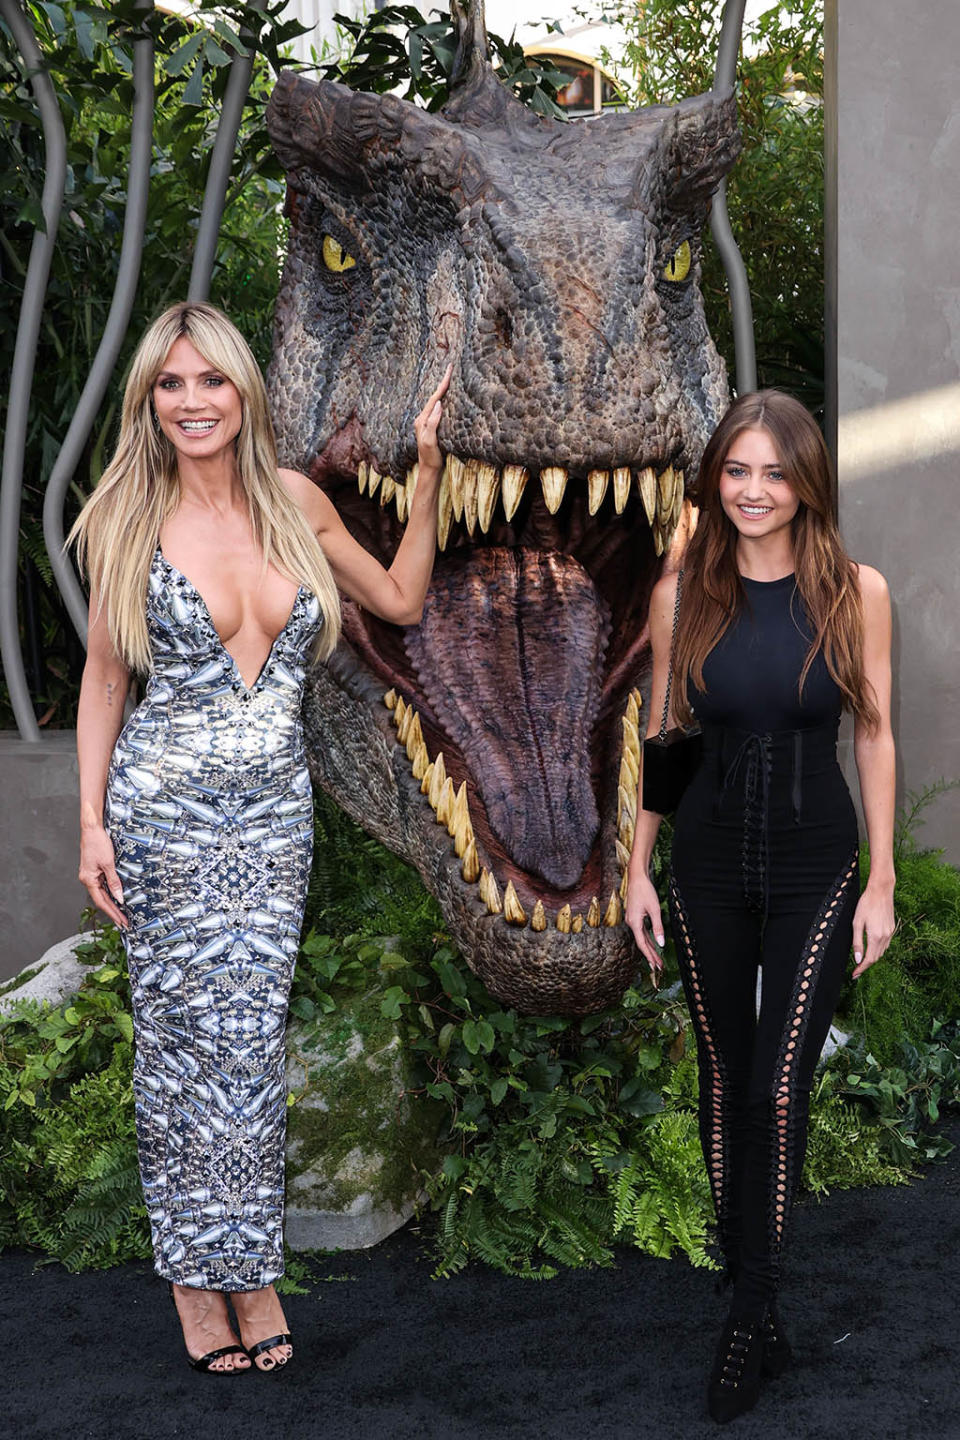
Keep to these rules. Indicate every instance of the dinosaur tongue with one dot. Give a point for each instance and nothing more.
(509, 655)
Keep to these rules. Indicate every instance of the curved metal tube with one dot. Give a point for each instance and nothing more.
(124, 293)
(205, 250)
(744, 345)
(24, 357)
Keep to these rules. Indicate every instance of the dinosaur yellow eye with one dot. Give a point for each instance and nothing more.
(677, 267)
(335, 257)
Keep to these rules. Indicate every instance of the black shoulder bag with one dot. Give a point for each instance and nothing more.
(671, 757)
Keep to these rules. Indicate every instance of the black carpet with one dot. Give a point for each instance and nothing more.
(385, 1353)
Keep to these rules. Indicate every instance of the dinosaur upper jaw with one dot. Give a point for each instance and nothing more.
(515, 703)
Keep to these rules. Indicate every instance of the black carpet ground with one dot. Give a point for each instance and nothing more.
(385, 1353)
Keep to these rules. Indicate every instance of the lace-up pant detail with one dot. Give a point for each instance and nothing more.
(790, 1098)
(756, 1067)
(715, 1100)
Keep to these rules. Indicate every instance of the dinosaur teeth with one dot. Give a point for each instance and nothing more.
(452, 809)
(597, 482)
(553, 481)
(454, 469)
(459, 810)
(445, 803)
(488, 488)
(614, 911)
(665, 495)
(490, 893)
(629, 780)
(445, 504)
(647, 485)
(471, 498)
(470, 865)
(513, 911)
(437, 781)
(515, 479)
(414, 740)
(470, 489)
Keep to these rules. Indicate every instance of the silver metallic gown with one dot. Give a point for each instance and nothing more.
(209, 809)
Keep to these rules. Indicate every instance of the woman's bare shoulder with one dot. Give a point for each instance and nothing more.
(873, 586)
(308, 496)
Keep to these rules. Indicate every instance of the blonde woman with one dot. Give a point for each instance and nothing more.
(215, 574)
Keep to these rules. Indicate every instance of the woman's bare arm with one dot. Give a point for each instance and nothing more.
(875, 756)
(103, 691)
(395, 594)
(643, 903)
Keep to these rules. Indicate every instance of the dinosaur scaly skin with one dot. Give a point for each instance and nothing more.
(556, 265)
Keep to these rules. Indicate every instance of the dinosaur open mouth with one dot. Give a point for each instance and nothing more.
(516, 698)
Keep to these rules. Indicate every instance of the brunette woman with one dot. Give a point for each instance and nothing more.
(215, 574)
(778, 631)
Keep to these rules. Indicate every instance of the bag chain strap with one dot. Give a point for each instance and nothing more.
(673, 645)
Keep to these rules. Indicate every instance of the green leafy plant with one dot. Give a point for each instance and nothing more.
(86, 50)
(397, 46)
(917, 983)
(565, 1137)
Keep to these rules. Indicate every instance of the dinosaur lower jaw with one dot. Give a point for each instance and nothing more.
(516, 701)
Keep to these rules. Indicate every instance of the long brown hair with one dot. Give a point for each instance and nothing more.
(116, 532)
(826, 577)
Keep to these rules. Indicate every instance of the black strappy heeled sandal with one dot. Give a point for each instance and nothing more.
(262, 1345)
(205, 1363)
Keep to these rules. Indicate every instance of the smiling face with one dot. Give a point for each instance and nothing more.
(199, 410)
(755, 497)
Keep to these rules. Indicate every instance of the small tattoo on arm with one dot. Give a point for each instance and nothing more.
(110, 689)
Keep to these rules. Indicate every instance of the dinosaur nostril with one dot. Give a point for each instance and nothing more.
(503, 325)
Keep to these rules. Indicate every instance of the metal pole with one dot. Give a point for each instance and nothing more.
(218, 176)
(124, 294)
(743, 340)
(24, 357)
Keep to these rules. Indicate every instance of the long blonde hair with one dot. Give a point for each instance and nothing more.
(826, 577)
(117, 530)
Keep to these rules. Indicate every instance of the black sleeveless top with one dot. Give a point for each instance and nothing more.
(752, 674)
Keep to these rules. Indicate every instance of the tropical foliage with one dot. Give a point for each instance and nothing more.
(564, 1138)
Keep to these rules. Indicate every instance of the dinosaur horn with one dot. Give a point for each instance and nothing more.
(703, 144)
(343, 134)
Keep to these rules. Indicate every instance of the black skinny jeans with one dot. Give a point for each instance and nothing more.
(764, 874)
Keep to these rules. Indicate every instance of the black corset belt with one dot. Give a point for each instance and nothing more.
(749, 764)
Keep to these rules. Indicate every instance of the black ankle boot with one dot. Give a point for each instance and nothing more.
(777, 1354)
(734, 1385)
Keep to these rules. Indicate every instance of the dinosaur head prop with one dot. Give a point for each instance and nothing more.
(496, 744)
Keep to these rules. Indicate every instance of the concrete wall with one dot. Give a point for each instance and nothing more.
(893, 273)
(40, 895)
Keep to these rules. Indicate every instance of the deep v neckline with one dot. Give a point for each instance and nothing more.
(248, 689)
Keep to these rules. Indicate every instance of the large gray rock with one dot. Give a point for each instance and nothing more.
(55, 976)
(357, 1146)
